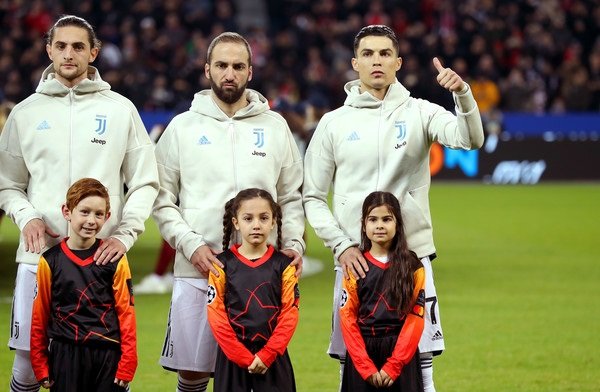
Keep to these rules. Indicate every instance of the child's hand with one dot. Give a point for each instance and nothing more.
(257, 366)
(386, 380)
(46, 383)
(375, 380)
(121, 383)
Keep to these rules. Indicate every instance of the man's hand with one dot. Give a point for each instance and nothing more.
(297, 260)
(110, 251)
(257, 366)
(352, 260)
(34, 235)
(447, 78)
(203, 259)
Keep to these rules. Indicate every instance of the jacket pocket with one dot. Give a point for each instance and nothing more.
(415, 210)
(347, 212)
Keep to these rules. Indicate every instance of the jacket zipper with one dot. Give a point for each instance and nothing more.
(231, 128)
(70, 148)
(379, 146)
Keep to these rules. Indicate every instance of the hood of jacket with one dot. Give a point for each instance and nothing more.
(204, 104)
(49, 85)
(396, 95)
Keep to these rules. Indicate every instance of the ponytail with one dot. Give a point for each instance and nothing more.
(278, 218)
(228, 223)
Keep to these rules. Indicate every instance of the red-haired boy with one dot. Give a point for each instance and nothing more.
(83, 331)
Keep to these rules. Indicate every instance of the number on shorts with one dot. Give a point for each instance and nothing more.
(433, 301)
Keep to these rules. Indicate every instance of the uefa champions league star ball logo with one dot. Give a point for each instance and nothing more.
(344, 298)
(211, 294)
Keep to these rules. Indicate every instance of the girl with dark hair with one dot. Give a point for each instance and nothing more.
(382, 314)
(253, 302)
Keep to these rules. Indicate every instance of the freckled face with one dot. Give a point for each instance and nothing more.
(87, 219)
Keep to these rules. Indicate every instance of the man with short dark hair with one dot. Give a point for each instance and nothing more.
(379, 141)
(228, 140)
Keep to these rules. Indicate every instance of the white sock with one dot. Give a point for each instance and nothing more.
(427, 371)
(23, 379)
(199, 385)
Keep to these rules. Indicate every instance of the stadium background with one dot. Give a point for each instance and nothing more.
(517, 271)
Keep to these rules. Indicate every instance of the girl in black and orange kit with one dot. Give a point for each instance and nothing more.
(382, 314)
(253, 301)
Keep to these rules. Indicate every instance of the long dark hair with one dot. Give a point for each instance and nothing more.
(233, 205)
(403, 262)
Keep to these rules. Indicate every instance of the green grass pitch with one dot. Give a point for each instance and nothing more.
(517, 275)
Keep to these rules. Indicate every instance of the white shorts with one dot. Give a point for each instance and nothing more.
(189, 342)
(20, 318)
(432, 339)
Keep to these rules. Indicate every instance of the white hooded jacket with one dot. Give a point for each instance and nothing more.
(205, 158)
(381, 145)
(59, 135)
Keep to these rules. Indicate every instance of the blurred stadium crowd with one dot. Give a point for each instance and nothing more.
(521, 55)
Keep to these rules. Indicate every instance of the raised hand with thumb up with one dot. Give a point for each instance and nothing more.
(447, 78)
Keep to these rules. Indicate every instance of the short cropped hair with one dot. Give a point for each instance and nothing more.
(229, 37)
(377, 30)
(86, 187)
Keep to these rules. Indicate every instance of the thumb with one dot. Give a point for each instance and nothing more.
(51, 233)
(438, 65)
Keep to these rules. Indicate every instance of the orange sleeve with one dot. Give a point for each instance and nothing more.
(39, 321)
(287, 320)
(355, 344)
(411, 332)
(219, 322)
(124, 305)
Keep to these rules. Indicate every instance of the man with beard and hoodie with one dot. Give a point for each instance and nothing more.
(72, 127)
(227, 141)
(380, 141)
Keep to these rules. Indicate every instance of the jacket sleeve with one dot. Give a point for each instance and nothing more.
(319, 170)
(408, 341)
(219, 322)
(141, 177)
(287, 320)
(124, 305)
(39, 321)
(289, 197)
(14, 176)
(355, 344)
(167, 213)
(463, 131)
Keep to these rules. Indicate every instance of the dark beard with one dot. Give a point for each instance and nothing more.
(228, 96)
